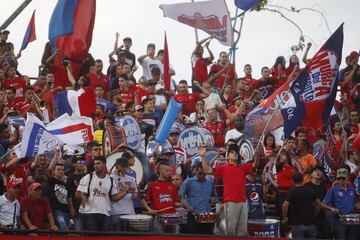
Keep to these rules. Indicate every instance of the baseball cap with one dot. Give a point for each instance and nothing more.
(139, 108)
(14, 182)
(5, 32)
(174, 130)
(342, 173)
(316, 167)
(35, 186)
(353, 55)
(127, 39)
(238, 97)
(121, 52)
(151, 82)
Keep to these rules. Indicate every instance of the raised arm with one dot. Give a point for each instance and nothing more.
(205, 92)
(70, 75)
(304, 58)
(206, 169)
(200, 43)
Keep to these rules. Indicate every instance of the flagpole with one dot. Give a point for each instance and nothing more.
(196, 31)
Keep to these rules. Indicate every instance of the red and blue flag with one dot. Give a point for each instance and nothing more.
(30, 34)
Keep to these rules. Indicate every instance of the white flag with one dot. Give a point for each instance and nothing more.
(39, 138)
(210, 16)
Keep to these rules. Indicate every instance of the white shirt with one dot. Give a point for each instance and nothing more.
(147, 64)
(98, 199)
(7, 210)
(126, 204)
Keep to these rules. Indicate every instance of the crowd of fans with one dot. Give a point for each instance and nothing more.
(57, 191)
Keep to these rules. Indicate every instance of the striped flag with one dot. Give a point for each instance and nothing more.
(30, 34)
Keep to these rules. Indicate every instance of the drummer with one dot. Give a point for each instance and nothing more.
(126, 185)
(340, 199)
(163, 198)
(197, 193)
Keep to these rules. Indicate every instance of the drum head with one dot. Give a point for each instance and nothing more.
(191, 139)
(112, 138)
(138, 168)
(132, 131)
(111, 160)
(246, 150)
(270, 172)
(136, 217)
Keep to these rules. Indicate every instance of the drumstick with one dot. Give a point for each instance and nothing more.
(164, 209)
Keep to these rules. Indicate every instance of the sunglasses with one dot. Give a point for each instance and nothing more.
(80, 162)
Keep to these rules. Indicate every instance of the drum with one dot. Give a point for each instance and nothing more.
(138, 168)
(210, 157)
(270, 173)
(112, 138)
(246, 150)
(218, 182)
(166, 147)
(206, 217)
(184, 213)
(132, 131)
(264, 228)
(170, 219)
(350, 219)
(136, 223)
(192, 138)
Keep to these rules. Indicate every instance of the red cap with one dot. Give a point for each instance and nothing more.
(35, 186)
(14, 182)
(353, 55)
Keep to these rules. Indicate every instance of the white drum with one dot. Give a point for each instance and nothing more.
(137, 223)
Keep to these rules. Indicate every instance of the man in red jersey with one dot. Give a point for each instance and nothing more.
(163, 197)
(12, 80)
(234, 179)
(215, 127)
(189, 99)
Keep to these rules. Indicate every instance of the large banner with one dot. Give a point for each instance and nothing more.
(210, 16)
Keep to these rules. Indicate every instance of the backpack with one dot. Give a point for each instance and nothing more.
(91, 177)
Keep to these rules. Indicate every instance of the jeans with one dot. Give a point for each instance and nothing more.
(303, 231)
(95, 222)
(146, 165)
(62, 219)
(236, 217)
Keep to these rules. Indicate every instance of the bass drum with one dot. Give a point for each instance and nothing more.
(138, 168)
(132, 131)
(192, 138)
(166, 147)
(112, 138)
(246, 150)
(270, 172)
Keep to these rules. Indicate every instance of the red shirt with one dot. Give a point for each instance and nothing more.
(19, 84)
(234, 179)
(37, 210)
(200, 70)
(188, 100)
(284, 178)
(95, 81)
(275, 74)
(229, 75)
(143, 93)
(217, 131)
(162, 195)
(127, 96)
(19, 172)
(23, 107)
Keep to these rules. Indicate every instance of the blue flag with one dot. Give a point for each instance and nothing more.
(246, 4)
(313, 92)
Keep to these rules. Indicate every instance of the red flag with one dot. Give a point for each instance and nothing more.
(30, 33)
(166, 66)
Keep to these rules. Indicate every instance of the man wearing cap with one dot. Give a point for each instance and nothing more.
(303, 208)
(235, 206)
(151, 115)
(36, 210)
(318, 187)
(340, 199)
(10, 206)
(127, 190)
(181, 158)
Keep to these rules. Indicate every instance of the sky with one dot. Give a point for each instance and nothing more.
(265, 35)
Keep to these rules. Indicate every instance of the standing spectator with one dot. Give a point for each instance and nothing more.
(340, 199)
(305, 159)
(189, 99)
(129, 56)
(148, 61)
(265, 84)
(254, 196)
(235, 206)
(6, 140)
(96, 189)
(228, 76)
(301, 201)
(98, 78)
(10, 206)
(278, 71)
(127, 191)
(59, 195)
(248, 77)
(36, 210)
(293, 69)
(18, 82)
(199, 64)
(216, 128)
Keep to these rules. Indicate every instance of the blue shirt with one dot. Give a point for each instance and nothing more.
(197, 194)
(342, 199)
